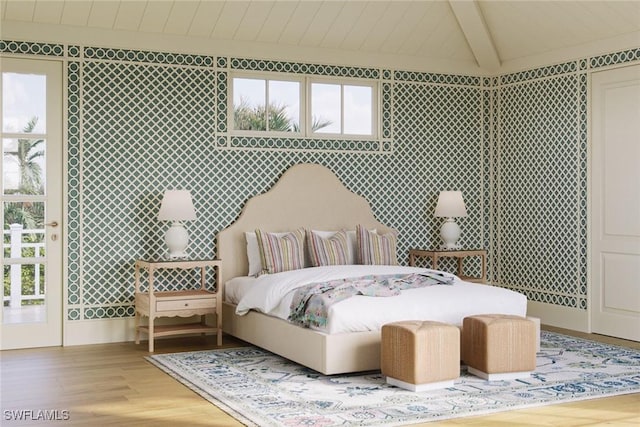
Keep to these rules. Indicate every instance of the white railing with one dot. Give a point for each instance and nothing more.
(16, 260)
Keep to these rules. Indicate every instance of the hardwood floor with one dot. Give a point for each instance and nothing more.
(113, 385)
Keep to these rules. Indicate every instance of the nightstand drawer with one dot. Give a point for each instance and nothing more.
(185, 304)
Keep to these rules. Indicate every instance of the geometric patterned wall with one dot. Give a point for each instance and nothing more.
(540, 158)
(142, 122)
(149, 122)
(538, 238)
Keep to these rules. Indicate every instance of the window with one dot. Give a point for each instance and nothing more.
(276, 105)
(266, 105)
(342, 109)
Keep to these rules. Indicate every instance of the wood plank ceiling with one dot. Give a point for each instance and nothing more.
(487, 32)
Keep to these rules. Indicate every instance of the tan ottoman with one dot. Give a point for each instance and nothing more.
(499, 346)
(420, 355)
(536, 321)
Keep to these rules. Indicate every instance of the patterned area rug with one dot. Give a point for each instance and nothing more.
(259, 388)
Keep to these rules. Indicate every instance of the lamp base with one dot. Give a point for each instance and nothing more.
(177, 256)
(451, 248)
(177, 240)
(450, 233)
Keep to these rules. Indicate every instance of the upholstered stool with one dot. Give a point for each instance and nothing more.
(536, 321)
(420, 355)
(499, 346)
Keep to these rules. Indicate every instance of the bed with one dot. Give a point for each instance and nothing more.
(311, 196)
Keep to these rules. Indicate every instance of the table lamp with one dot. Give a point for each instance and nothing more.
(177, 206)
(450, 205)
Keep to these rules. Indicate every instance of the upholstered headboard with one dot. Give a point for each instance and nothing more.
(307, 195)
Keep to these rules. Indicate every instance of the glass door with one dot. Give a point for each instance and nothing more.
(31, 170)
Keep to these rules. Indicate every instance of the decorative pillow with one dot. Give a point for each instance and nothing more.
(352, 244)
(253, 253)
(376, 249)
(281, 252)
(333, 250)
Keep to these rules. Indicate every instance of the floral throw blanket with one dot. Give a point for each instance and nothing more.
(311, 302)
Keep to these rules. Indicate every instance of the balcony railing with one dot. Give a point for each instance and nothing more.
(16, 260)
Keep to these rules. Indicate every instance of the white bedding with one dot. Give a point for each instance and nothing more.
(272, 293)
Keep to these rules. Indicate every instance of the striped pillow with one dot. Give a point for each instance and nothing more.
(376, 249)
(281, 252)
(333, 250)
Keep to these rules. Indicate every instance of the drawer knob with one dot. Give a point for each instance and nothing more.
(186, 304)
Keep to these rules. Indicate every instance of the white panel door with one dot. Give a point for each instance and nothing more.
(31, 171)
(615, 206)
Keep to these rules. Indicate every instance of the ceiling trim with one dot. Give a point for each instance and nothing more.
(572, 53)
(475, 30)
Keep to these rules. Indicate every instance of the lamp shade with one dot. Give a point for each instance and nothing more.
(450, 205)
(176, 206)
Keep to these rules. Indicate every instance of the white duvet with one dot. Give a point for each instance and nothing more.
(272, 294)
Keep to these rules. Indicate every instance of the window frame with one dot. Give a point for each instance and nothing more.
(342, 82)
(266, 77)
(305, 117)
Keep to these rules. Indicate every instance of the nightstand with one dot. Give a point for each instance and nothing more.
(184, 303)
(436, 254)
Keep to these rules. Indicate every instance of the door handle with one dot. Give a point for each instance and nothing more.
(51, 224)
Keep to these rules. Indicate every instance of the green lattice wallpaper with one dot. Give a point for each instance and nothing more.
(140, 122)
(538, 176)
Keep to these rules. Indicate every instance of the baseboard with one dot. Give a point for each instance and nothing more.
(101, 331)
(561, 317)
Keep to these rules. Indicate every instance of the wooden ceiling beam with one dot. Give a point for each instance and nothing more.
(475, 30)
